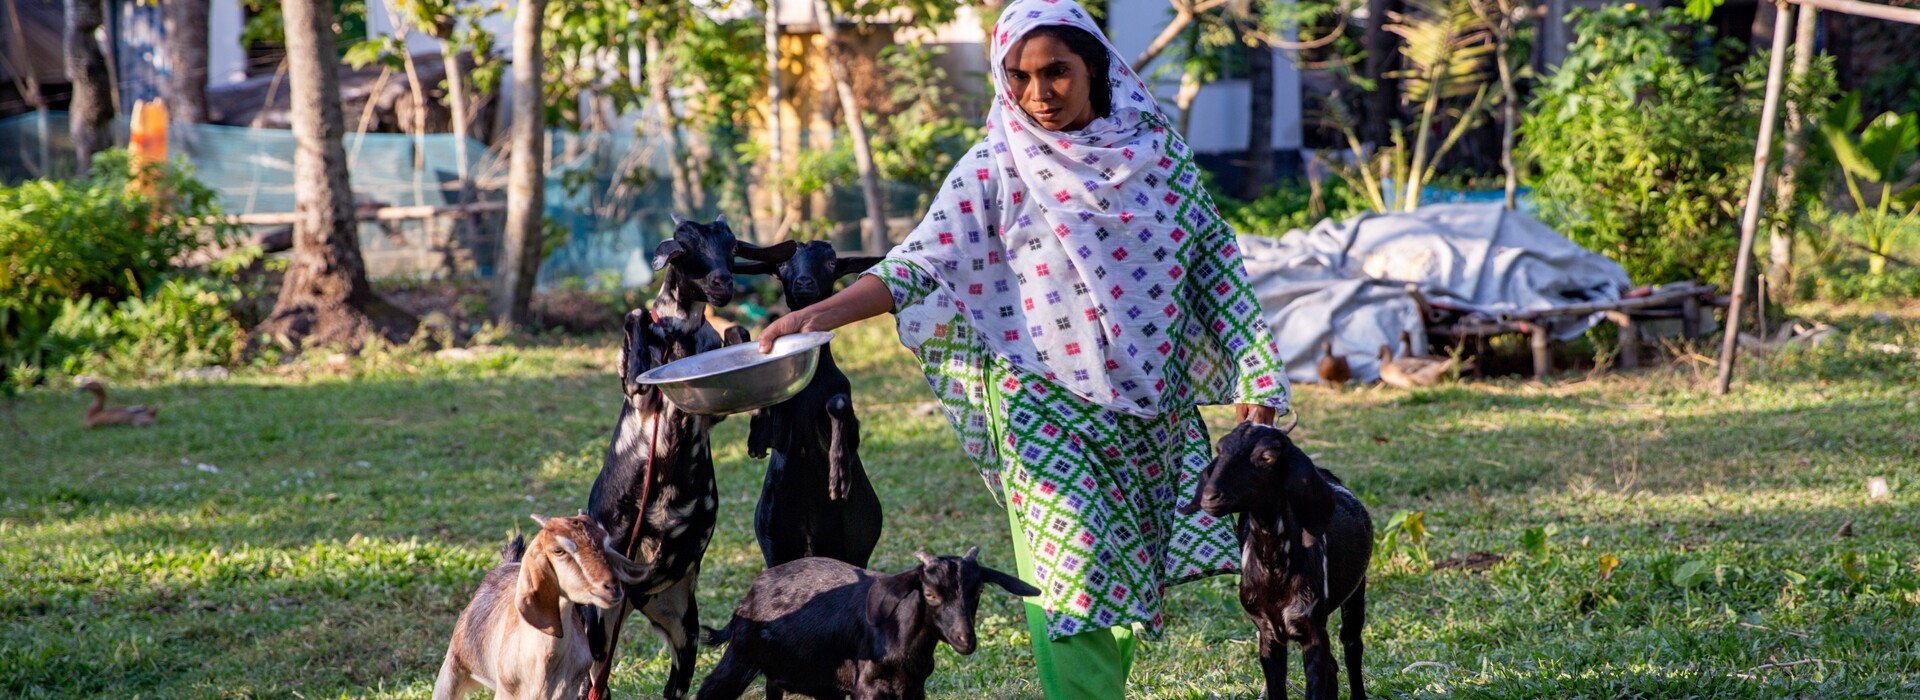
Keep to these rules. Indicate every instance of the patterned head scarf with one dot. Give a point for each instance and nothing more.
(1067, 253)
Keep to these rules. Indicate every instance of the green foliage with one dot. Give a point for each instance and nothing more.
(77, 254)
(926, 133)
(1879, 155)
(1404, 534)
(1291, 205)
(1640, 154)
(1535, 540)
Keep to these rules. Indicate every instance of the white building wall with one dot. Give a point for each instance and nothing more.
(1219, 123)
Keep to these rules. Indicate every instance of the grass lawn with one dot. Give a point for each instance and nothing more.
(313, 532)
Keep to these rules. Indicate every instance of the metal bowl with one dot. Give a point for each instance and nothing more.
(739, 378)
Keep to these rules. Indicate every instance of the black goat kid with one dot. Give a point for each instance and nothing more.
(827, 629)
(816, 501)
(1306, 541)
(656, 494)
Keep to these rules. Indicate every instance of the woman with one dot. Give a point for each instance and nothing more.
(1073, 296)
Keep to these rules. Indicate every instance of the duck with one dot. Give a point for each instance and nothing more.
(99, 414)
(1411, 370)
(1334, 370)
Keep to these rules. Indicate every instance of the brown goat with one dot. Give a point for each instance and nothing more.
(522, 635)
(99, 414)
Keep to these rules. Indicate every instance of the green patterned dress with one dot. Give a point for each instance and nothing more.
(1096, 489)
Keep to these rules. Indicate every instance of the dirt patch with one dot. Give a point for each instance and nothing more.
(1477, 561)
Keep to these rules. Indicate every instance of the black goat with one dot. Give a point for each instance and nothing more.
(826, 629)
(1306, 541)
(816, 501)
(668, 447)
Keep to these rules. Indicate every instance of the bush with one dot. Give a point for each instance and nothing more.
(1642, 151)
(1289, 205)
(90, 267)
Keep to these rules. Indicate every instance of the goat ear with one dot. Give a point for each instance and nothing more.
(1008, 582)
(1308, 492)
(776, 253)
(755, 267)
(539, 596)
(856, 264)
(667, 252)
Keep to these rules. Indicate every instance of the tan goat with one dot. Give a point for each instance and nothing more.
(522, 636)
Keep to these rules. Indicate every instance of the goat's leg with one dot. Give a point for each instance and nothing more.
(1353, 616)
(843, 445)
(675, 614)
(735, 335)
(1273, 663)
(453, 682)
(605, 627)
(729, 679)
(1323, 674)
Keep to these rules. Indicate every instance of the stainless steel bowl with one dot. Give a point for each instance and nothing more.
(739, 378)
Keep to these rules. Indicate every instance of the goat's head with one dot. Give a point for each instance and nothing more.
(949, 589)
(572, 560)
(1258, 469)
(703, 255)
(808, 276)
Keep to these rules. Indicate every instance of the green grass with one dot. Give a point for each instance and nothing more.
(354, 508)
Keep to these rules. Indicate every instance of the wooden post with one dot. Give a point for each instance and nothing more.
(1542, 358)
(1750, 220)
(1629, 338)
(1690, 318)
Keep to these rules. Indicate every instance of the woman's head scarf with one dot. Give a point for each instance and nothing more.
(1072, 253)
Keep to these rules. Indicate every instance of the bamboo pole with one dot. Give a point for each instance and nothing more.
(1865, 9)
(1757, 184)
(375, 214)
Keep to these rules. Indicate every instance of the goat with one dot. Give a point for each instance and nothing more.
(99, 414)
(522, 635)
(816, 500)
(1306, 541)
(656, 492)
(825, 628)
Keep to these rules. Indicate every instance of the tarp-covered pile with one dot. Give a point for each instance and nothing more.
(1346, 281)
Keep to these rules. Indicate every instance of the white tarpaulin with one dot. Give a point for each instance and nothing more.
(1347, 280)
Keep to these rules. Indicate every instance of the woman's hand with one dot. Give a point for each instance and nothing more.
(866, 298)
(1243, 412)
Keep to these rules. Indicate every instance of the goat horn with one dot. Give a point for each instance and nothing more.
(925, 558)
(721, 219)
(973, 554)
(1290, 424)
(677, 221)
(538, 518)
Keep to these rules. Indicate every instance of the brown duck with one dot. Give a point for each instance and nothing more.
(1411, 370)
(100, 414)
(1334, 370)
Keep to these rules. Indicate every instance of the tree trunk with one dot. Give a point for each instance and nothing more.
(1259, 120)
(186, 24)
(876, 227)
(456, 68)
(1509, 118)
(1780, 233)
(1383, 103)
(325, 298)
(777, 199)
(90, 110)
(526, 184)
(658, 90)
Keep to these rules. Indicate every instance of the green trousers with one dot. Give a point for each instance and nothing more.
(1091, 665)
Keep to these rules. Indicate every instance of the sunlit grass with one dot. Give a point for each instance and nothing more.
(344, 513)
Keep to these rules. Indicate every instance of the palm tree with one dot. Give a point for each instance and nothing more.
(325, 298)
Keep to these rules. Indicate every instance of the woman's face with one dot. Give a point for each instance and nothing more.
(1050, 82)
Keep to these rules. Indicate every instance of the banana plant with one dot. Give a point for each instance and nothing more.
(1878, 156)
(1447, 47)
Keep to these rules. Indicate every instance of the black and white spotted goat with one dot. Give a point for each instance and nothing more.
(1306, 541)
(660, 462)
(816, 500)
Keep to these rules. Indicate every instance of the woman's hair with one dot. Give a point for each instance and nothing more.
(1091, 50)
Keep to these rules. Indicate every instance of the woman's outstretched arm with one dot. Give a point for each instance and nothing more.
(866, 298)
